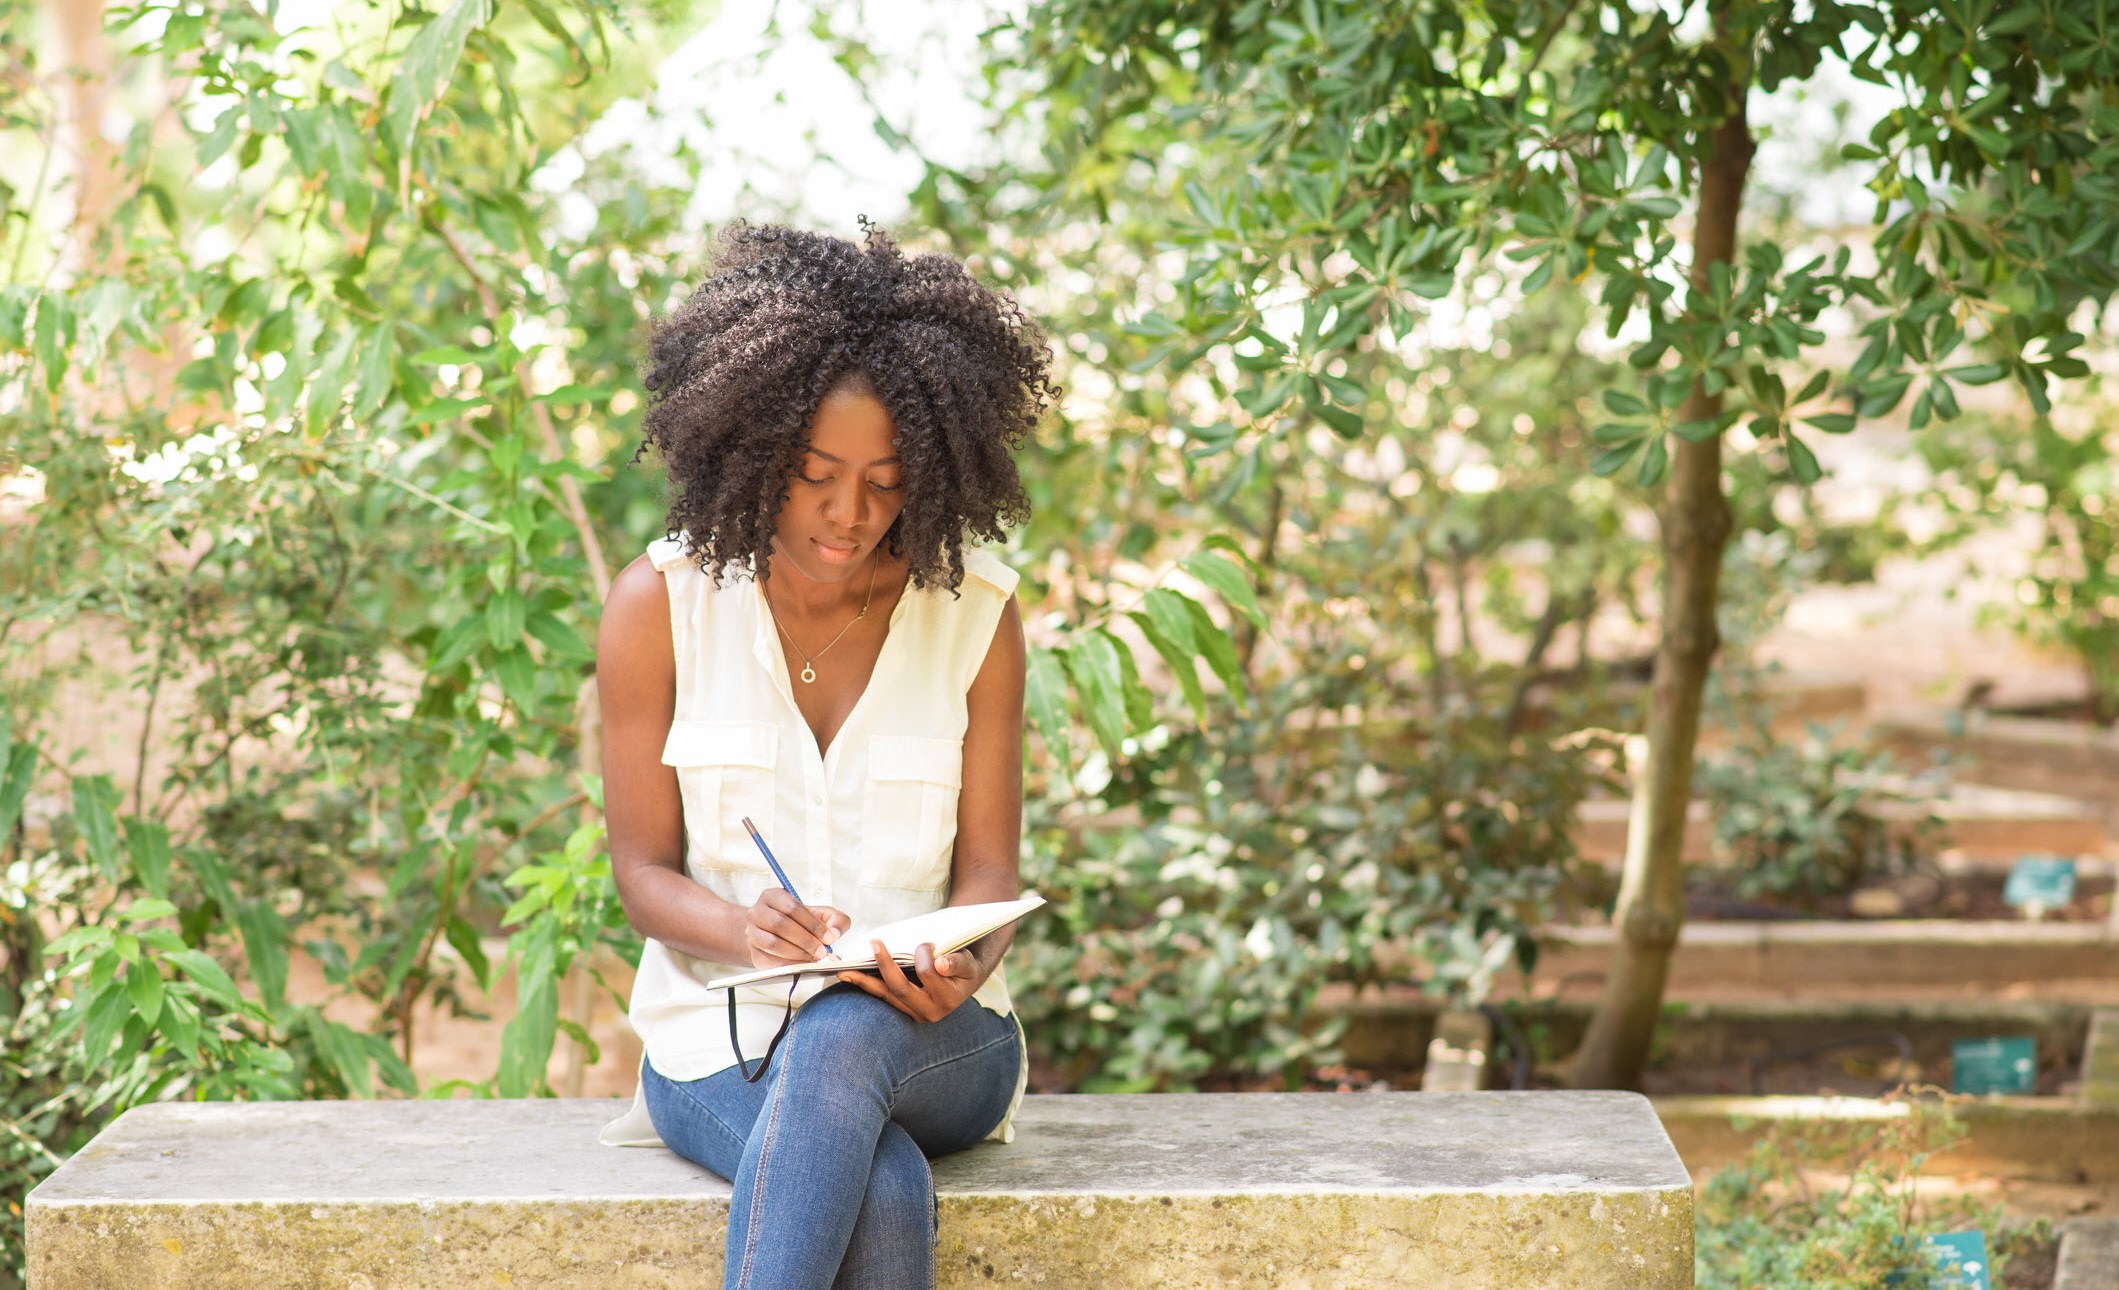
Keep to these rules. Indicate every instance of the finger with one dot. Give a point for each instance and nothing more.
(894, 979)
(933, 1006)
(764, 942)
(783, 904)
(868, 983)
(862, 980)
(799, 928)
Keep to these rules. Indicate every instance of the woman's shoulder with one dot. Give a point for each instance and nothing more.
(987, 570)
(667, 553)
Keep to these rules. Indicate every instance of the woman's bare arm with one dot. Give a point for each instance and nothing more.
(636, 682)
(989, 832)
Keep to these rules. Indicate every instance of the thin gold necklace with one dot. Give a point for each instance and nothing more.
(809, 671)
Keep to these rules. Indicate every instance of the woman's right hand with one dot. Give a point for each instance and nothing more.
(778, 930)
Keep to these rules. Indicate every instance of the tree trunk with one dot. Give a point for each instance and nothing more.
(1695, 524)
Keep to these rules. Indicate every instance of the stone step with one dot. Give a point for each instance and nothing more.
(1819, 957)
(1980, 822)
(1497, 1190)
(1390, 1030)
(2071, 758)
(2028, 1139)
(2089, 1255)
(2100, 1059)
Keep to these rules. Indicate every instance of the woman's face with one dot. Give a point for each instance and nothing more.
(846, 493)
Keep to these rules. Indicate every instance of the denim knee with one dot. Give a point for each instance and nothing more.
(845, 1018)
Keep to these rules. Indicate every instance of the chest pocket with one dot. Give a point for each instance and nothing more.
(908, 818)
(726, 770)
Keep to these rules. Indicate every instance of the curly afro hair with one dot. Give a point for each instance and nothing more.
(735, 376)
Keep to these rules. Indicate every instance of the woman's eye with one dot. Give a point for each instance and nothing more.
(807, 480)
(886, 488)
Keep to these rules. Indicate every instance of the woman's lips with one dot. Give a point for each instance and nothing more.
(835, 554)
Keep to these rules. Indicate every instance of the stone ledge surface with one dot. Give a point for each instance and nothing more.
(1298, 1189)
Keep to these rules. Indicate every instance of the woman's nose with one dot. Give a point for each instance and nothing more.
(847, 506)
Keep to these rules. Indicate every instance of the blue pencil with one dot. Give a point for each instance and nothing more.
(778, 872)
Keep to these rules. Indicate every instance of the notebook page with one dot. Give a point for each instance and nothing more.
(949, 928)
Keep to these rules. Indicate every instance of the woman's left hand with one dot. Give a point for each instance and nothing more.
(945, 981)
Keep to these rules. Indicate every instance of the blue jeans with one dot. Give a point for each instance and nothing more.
(828, 1152)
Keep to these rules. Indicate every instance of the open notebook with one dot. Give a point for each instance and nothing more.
(949, 928)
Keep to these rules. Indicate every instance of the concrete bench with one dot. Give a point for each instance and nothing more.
(1216, 1189)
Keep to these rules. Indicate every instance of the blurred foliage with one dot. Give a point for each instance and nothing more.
(311, 438)
(1801, 822)
(2062, 470)
(1833, 1204)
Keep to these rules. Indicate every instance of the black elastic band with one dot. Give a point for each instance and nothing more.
(742, 1066)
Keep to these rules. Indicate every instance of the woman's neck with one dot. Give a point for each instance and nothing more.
(806, 600)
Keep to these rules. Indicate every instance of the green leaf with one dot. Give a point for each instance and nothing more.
(342, 1050)
(207, 975)
(556, 636)
(1653, 461)
(143, 984)
(1099, 684)
(517, 672)
(265, 942)
(1344, 422)
(95, 804)
(526, 1041)
(148, 843)
(1183, 663)
(1045, 696)
(1978, 374)
(464, 938)
(1881, 396)
(1171, 612)
(1611, 461)
(505, 619)
(180, 1025)
(146, 910)
(425, 69)
(443, 410)
(107, 1014)
(54, 336)
(1220, 652)
(19, 765)
(445, 356)
(377, 374)
(327, 386)
(1625, 405)
(1224, 577)
(389, 1065)
(1832, 422)
(1802, 463)
(91, 936)
(205, 864)
(221, 138)
(591, 394)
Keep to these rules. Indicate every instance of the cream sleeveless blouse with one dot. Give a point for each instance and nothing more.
(868, 827)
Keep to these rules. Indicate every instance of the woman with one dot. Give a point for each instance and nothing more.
(837, 420)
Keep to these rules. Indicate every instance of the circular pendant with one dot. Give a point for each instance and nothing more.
(809, 674)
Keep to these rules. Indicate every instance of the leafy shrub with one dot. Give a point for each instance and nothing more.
(1800, 822)
(1771, 1221)
(1210, 881)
